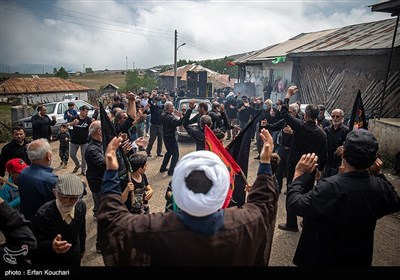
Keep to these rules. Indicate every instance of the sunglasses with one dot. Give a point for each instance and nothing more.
(336, 116)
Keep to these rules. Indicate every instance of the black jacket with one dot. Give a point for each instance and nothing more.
(308, 137)
(10, 151)
(169, 123)
(96, 165)
(47, 223)
(41, 127)
(340, 215)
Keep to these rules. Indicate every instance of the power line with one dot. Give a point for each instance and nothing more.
(125, 24)
(87, 25)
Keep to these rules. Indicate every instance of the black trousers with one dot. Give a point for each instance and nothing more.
(172, 151)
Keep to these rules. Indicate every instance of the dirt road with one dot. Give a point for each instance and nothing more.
(387, 241)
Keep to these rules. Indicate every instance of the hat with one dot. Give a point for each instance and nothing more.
(360, 148)
(200, 204)
(69, 184)
(15, 165)
(244, 97)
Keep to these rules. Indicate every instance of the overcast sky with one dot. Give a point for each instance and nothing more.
(100, 34)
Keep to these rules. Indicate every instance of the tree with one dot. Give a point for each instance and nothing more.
(62, 73)
(132, 80)
(88, 70)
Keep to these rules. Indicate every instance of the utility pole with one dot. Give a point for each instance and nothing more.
(175, 54)
(126, 63)
(83, 68)
(175, 58)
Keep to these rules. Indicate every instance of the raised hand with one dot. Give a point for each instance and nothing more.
(292, 90)
(307, 164)
(268, 146)
(376, 168)
(111, 157)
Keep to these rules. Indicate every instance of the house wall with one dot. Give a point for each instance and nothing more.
(335, 81)
(260, 75)
(36, 98)
(385, 131)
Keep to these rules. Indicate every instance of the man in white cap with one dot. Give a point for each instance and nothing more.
(60, 226)
(200, 233)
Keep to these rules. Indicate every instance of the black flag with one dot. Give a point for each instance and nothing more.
(108, 133)
(358, 119)
(239, 149)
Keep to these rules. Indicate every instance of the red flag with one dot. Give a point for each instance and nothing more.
(230, 63)
(214, 145)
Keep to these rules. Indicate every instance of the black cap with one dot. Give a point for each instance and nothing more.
(360, 148)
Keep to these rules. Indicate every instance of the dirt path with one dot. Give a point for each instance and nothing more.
(387, 241)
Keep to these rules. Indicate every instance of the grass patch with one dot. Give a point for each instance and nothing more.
(96, 81)
(5, 122)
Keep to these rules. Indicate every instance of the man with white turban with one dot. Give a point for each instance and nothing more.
(200, 233)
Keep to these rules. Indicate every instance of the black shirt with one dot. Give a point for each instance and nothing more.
(62, 136)
(80, 133)
(308, 137)
(169, 123)
(10, 151)
(41, 127)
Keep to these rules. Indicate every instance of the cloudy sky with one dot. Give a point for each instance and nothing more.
(42, 34)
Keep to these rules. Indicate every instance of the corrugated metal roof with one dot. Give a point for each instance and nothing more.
(39, 85)
(219, 80)
(284, 48)
(365, 36)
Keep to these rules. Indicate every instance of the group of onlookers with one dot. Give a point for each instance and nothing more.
(334, 181)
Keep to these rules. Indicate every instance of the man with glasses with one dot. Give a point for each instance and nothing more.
(336, 134)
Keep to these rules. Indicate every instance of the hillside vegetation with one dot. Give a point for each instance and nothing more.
(97, 81)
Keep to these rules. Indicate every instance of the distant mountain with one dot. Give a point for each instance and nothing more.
(31, 68)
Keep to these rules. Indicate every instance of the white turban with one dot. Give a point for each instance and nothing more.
(199, 204)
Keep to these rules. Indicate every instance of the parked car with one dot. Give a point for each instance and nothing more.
(55, 109)
(327, 115)
(182, 133)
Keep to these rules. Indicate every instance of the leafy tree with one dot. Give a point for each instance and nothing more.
(149, 82)
(62, 73)
(133, 80)
(88, 70)
(54, 70)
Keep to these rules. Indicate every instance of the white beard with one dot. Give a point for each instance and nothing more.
(65, 209)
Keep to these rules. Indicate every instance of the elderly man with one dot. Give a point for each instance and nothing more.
(60, 226)
(36, 182)
(169, 123)
(96, 164)
(15, 149)
(341, 211)
(201, 233)
(335, 135)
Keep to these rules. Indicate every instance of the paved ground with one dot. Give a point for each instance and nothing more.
(387, 241)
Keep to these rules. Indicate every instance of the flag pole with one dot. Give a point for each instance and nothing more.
(244, 177)
(9, 183)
